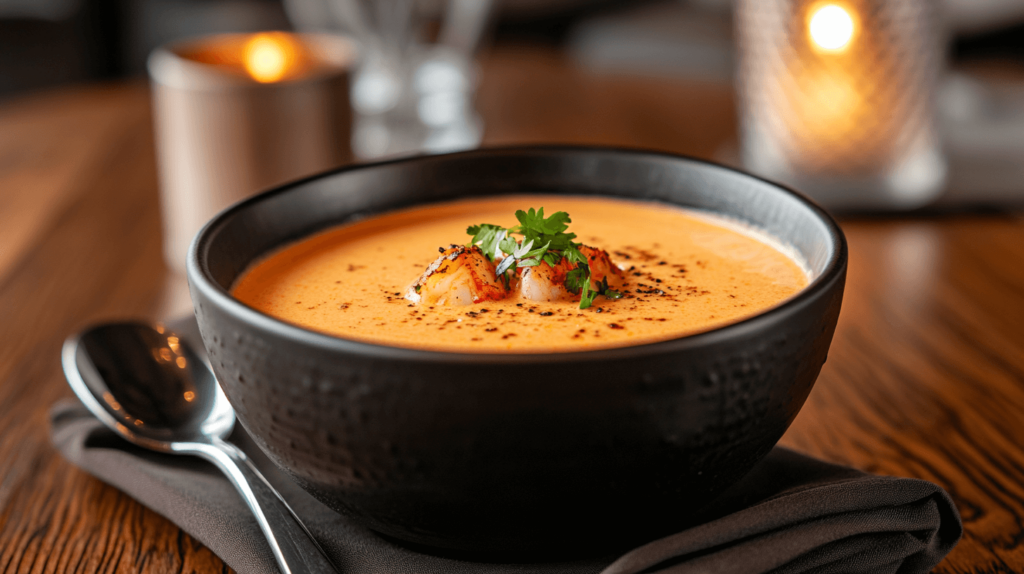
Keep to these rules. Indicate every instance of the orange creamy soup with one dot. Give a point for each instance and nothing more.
(678, 272)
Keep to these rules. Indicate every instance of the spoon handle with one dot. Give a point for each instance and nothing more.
(292, 544)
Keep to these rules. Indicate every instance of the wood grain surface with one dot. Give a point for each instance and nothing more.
(925, 377)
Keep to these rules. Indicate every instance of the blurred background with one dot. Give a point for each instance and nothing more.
(921, 104)
(46, 43)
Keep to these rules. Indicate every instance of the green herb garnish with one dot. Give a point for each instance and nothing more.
(555, 244)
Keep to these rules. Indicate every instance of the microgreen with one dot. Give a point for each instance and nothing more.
(550, 232)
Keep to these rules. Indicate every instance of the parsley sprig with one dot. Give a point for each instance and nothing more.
(555, 244)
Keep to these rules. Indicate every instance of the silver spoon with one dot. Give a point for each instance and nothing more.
(148, 386)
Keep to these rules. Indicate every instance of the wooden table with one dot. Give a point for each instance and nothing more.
(925, 376)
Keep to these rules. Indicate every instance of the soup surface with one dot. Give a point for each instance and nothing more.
(682, 272)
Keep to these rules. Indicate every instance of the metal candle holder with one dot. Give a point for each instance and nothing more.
(239, 113)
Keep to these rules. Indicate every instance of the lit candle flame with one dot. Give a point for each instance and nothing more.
(831, 27)
(269, 56)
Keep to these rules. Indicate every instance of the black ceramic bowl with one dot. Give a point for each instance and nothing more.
(524, 455)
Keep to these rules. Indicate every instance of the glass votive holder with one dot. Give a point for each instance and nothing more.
(837, 98)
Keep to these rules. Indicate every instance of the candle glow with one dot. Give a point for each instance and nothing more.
(831, 28)
(269, 57)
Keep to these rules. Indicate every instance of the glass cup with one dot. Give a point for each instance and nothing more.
(413, 90)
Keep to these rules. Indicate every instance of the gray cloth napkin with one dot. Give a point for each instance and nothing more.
(791, 514)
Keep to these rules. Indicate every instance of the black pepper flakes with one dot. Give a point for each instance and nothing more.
(545, 313)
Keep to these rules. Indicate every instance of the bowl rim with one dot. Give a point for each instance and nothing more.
(200, 279)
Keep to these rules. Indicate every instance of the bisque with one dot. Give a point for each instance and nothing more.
(683, 272)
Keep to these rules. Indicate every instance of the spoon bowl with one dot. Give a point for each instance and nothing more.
(147, 385)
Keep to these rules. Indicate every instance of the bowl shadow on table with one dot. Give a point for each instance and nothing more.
(522, 457)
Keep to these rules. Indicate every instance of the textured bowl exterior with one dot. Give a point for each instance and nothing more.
(524, 455)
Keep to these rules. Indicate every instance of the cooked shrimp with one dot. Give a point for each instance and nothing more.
(600, 263)
(545, 283)
(460, 276)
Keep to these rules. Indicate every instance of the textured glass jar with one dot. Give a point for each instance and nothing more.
(837, 98)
